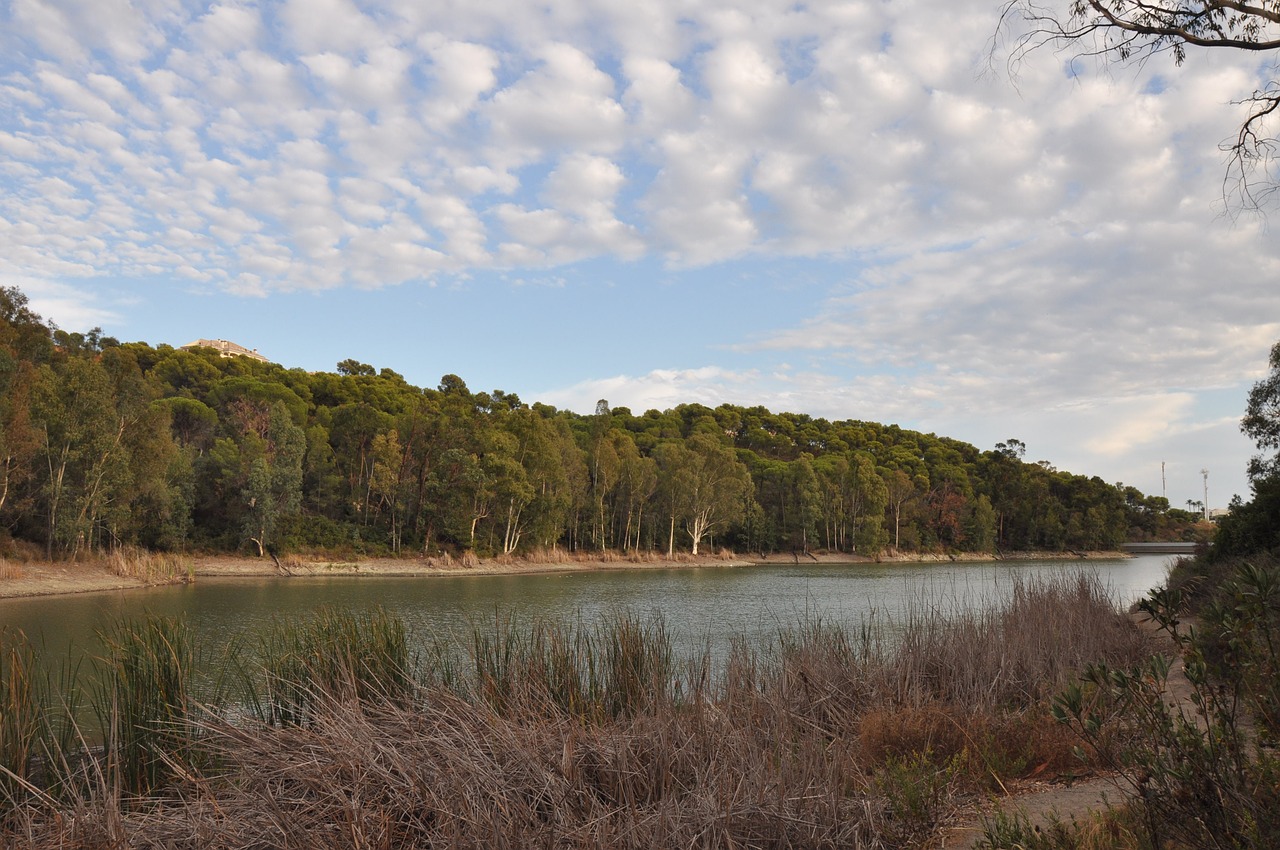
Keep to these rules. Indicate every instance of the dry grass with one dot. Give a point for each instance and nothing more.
(585, 737)
(8, 569)
(150, 567)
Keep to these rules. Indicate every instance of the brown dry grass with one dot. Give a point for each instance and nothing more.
(150, 567)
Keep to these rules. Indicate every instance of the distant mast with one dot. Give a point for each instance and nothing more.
(1205, 473)
(1164, 485)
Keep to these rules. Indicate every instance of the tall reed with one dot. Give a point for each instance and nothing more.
(335, 654)
(150, 567)
(23, 709)
(621, 665)
(144, 702)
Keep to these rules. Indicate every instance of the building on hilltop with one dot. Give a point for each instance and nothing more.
(226, 349)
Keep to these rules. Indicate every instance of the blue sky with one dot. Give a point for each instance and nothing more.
(850, 209)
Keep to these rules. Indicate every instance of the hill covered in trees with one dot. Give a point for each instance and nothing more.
(105, 444)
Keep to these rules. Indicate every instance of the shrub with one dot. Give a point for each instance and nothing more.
(1204, 776)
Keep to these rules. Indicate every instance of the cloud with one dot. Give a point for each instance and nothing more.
(319, 26)
(660, 389)
(72, 30)
(766, 131)
(565, 102)
(70, 307)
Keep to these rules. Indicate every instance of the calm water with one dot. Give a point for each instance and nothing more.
(700, 606)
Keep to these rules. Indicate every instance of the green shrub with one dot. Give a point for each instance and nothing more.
(1204, 776)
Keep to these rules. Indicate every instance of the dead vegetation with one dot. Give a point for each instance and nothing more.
(150, 567)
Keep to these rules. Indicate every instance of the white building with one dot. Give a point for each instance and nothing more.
(226, 348)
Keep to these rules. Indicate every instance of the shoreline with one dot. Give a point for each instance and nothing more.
(18, 580)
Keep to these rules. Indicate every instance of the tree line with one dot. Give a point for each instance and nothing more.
(105, 444)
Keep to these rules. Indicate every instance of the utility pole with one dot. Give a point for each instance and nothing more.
(1205, 473)
(1164, 485)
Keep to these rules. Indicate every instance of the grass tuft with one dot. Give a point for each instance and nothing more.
(150, 567)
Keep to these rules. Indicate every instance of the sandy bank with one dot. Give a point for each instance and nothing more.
(45, 579)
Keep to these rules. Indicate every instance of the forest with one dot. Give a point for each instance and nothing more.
(106, 444)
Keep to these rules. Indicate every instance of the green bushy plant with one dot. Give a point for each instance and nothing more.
(1202, 776)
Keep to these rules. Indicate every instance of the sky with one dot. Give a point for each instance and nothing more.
(857, 210)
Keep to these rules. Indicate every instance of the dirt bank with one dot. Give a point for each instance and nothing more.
(35, 578)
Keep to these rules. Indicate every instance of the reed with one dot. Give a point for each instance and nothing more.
(23, 707)
(150, 567)
(336, 654)
(144, 702)
(617, 667)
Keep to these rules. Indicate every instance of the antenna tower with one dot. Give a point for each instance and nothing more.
(1205, 473)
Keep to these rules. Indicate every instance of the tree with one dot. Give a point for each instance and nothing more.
(273, 488)
(80, 433)
(1253, 527)
(867, 500)
(807, 498)
(1137, 30)
(352, 368)
(1261, 421)
(899, 491)
(705, 484)
(388, 484)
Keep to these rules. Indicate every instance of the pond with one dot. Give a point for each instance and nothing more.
(701, 607)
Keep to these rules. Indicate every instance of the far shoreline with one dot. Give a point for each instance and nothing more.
(19, 580)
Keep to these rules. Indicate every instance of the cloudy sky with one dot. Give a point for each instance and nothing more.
(850, 209)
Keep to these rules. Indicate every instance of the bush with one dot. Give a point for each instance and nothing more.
(1203, 777)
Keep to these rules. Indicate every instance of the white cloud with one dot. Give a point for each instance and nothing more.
(228, 28)
(660, 389)
(566, 102)
(318, 26)
(71, 307)
(72, 30)
(657, 96)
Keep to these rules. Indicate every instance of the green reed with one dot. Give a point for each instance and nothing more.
(23, 709)
(144, 701)
(335, 654)
(617, 667)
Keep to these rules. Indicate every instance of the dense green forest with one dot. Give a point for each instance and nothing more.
(105, 444)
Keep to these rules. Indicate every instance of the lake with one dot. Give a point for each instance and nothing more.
(701, 607)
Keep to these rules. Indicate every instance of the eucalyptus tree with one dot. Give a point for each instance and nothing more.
(637, 483)
(389, 485)
(272, 460)
(704, 484)
(80, 438)
(605, 468)
(807, 497)
(1252, 526)
(533, 491)
(352, 432)
(866, 498)
(19, 438)
(25, 345)
(900, 493)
